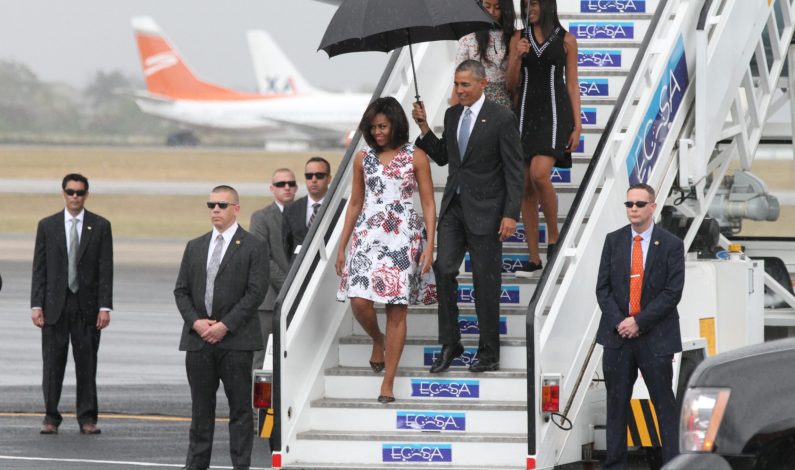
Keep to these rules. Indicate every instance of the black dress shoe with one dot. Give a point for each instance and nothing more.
(528, 270)
(445, 358)
(484, 366)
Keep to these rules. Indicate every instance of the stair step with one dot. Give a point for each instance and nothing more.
(420, 322)
(413, 436)
(422, 351)
(440, 416)
(456, 385)
(418, 404)
(434, 450)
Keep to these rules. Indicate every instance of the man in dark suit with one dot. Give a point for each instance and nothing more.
(299, 215)
(266, 223)
(220, 285)
(641, 277)
(72, 296)
(479, 208)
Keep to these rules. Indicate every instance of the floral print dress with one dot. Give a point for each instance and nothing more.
(389, 237)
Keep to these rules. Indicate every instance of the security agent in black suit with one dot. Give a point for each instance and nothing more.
(648, 339)
(479, 208)
(299, 213)
(220, 340)
(71, 297)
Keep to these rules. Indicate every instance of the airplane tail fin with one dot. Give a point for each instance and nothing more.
(167, 74)
(276, 74)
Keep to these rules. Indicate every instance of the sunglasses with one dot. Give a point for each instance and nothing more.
(75, 192)
(222, 205)
(638, 204)
(319, 175)
(281, 184)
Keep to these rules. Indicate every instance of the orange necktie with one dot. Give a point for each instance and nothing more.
(636, 277)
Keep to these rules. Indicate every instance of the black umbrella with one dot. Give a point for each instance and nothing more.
(384, 25)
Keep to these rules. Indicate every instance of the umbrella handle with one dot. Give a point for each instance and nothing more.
(413, 71)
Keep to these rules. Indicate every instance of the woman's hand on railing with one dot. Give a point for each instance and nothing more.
(426, 259)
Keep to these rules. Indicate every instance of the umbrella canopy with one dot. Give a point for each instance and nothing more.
(384, 25)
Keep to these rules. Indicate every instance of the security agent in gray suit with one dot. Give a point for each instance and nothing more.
(220, 285)
(266, 223)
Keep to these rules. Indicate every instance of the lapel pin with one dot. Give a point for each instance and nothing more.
(656, 242)
(89, 227)
(237, 242)
(483, 120)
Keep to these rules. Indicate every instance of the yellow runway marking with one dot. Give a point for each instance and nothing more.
(116, 416)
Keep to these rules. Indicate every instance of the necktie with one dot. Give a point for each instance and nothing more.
(636, 277)
(315, 207)
(212, 271)
(72, 257)
(463, 133)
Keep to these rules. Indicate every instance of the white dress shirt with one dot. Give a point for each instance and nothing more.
(227, 238)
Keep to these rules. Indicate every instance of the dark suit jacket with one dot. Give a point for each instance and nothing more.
(239, 289)
(492, 173)
(294, 225)
(94, 267)
(266, 223)
(663, 281)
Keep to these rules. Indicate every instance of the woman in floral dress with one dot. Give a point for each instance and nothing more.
(490, 47)
(390, 257)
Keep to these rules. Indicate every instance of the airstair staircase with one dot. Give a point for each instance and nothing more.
(640, 119)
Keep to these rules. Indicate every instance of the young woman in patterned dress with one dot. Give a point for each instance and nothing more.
(542, 71)
(391, 253)
(495, 44)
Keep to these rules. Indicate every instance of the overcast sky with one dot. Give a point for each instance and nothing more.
(68, 41)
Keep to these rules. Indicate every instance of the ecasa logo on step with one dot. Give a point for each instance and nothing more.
(426, 452)
(594, 87)
(468, 324)
(602, 30)
(508, 294)
(601, 58)
(588, 116)
(445, 388)
(432, 352)
(431, 421)
(612, 6)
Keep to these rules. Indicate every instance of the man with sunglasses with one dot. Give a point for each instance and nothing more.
(221, 283)
(298, 216)
(71, 298)
(266, 223)
(640, 282)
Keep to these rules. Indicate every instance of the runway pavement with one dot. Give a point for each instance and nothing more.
(143, 393)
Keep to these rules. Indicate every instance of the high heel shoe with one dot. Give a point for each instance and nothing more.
(385, 399)
(377, 366)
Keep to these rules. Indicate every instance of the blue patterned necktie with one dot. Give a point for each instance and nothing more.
(463, 133)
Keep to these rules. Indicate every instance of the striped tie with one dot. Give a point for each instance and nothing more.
(636, 277)
(315, 207)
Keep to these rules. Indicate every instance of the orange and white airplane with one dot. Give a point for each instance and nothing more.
(286, 109)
